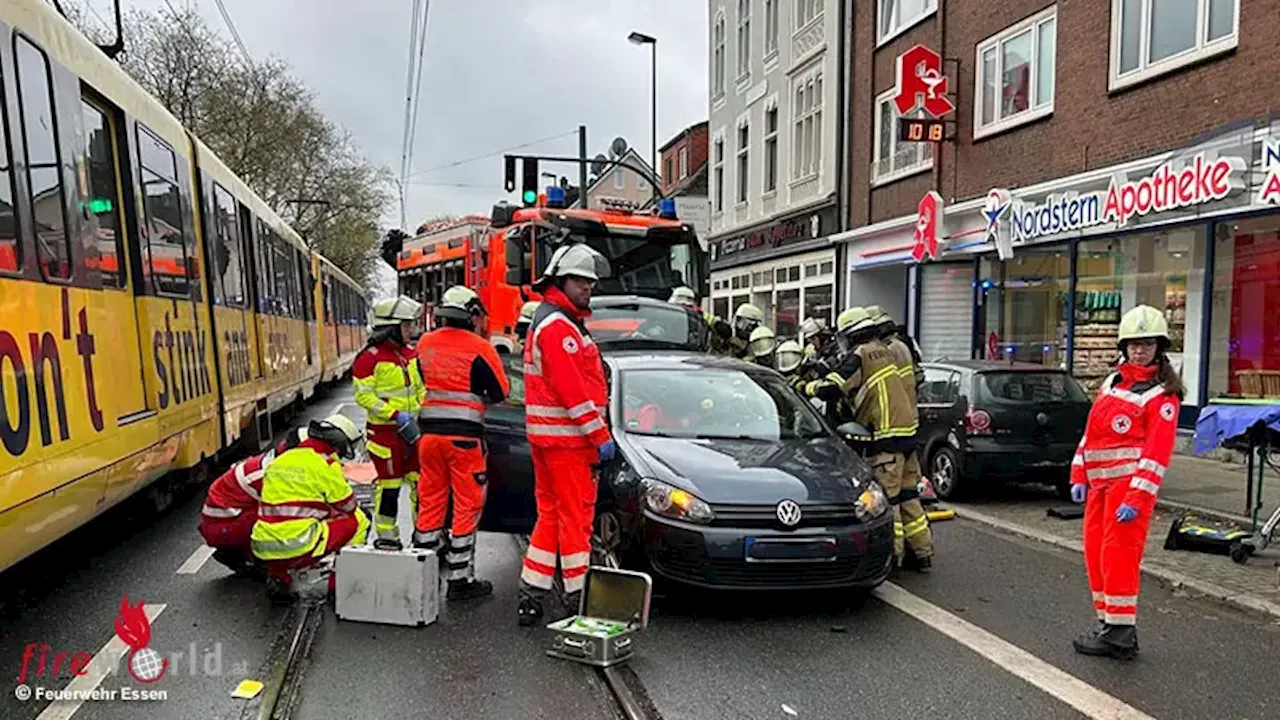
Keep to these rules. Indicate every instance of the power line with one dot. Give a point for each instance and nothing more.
(417, 87)
(226, 17)
(493, 154)
(414, 24)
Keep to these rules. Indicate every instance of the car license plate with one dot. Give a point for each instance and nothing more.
(819, 549)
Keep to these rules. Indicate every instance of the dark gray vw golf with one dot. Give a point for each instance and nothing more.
(725, 477)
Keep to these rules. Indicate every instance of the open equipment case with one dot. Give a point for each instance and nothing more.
(615, 607)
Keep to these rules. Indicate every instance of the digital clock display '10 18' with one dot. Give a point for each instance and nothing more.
(915, 130)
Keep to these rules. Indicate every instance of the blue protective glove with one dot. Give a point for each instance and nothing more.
(1078, 492)
(401, 418)
(1126, 512)
(608, 450)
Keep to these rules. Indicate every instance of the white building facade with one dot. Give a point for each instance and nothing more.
(774, 165)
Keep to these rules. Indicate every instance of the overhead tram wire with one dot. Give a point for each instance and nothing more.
(417, 88)
(226, 17)
(493, 154)
(410, 76)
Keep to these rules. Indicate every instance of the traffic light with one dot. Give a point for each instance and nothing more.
(529, 182)
(509, 180)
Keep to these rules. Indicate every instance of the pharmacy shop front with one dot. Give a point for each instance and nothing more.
(1194, 233)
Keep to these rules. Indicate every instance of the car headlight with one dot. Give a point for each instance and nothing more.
(872, 503)
(675, 503)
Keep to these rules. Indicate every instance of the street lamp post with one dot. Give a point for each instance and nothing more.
(639, 38)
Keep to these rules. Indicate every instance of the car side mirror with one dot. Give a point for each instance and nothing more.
(853, 430)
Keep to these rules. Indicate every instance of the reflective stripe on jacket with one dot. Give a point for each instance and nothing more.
(566, 396)
(1130, 435)
(300, 489)
(462, 373)
(882, 393)
(386, 379)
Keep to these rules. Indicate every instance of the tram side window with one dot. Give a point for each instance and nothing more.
(164, 249)
(326, 296)
(10, 248)
(262, 251)
(308, 282)
(44, 160)
(100, 150)
(229, 265)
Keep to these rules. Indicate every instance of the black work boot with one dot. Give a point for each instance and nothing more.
(469, 589)
(924, 565)
(1115, 641)
(572, 603)
(530, 609)
(279, 591)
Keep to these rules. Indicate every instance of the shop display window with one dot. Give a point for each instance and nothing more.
(1023, 314)
(817, 303)
(788, 318)
(1118, 273)
(1244, 357)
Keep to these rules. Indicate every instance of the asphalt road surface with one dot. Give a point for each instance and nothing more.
(987, 635)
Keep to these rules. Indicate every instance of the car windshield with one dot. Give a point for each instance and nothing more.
(1019, 388)
(715, 403)
(647, 327)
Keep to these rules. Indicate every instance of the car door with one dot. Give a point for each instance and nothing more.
(509, 505)
(939, 407)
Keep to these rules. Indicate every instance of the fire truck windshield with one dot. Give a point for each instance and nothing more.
(649, 264)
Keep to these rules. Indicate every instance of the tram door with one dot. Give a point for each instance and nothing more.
(120, 284)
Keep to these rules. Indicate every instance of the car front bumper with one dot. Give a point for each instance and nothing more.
(716, 557)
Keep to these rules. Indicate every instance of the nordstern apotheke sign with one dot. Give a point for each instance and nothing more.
(1199, 180)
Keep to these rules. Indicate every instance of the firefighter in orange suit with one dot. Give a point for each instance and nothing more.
(566, 406)
(463, 373)
(231, 507)
(388, 385)
(1117, 471)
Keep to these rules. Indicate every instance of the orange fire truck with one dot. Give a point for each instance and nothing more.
(650, 253)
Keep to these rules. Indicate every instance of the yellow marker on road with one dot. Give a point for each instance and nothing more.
(247, 690)
(936, 515)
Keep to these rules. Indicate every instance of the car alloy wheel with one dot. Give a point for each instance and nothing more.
(606, 542)
(942, 473)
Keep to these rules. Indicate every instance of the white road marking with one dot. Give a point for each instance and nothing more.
(98, 669)
(1069, 689)
(196, 561)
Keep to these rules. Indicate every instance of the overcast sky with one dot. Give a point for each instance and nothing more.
(497, 73)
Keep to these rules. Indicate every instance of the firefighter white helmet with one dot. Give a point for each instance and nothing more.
(1142, 323)
(393, 311)
(763, 341)
(810, 327)
(683, 296)
(339, 431)
(576, 260)
(747, 311)
(790, 355)
(460, 303)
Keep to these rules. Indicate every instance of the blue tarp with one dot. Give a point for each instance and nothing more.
(1219, 423)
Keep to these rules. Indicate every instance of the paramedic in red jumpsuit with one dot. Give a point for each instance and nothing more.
(1117, 471)
(566, 401)
(231, 508)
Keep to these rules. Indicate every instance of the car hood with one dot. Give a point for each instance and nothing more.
(823, 470)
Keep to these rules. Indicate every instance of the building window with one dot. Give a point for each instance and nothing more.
(744, 137)
(780, 275)
(744, 38)
(1116, 274)
(895, 16)
(641, 182)
(684, 162)
(771, 150)
(1016, 74)
(770, 27)
(1023, 312)
(807, 141)
(1245, 333)
(806, 11)
(667, 177)
(896, 159)
(1152, 37)
(827, 268)
(619, 179)
(717, 156)
(717, 57)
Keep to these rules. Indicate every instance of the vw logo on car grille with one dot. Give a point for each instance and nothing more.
(789, 513)
(1042, 418)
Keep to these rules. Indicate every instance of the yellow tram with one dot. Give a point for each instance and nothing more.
(154, 311)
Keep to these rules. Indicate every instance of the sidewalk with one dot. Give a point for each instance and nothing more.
(1201, 483)
(1254, 586)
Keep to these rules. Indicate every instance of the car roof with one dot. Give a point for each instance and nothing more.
(992, 365)
(600, 301)
(677, 360)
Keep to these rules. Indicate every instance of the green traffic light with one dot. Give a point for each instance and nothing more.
(530, 197)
